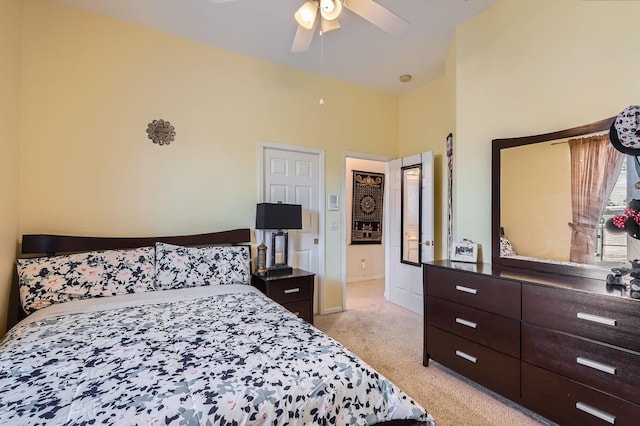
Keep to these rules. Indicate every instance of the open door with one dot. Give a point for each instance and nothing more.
(409, 241)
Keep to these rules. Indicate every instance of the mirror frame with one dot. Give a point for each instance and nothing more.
(403, 206)
(497, 146)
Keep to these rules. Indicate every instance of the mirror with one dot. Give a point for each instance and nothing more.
(411, 202)
(546, 211)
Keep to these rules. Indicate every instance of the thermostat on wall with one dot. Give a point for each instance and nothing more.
(333, 202)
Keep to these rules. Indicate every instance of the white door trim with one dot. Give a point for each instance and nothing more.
(264, 145)
(343, 228)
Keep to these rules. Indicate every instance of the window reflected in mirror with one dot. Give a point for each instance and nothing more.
(411, 201)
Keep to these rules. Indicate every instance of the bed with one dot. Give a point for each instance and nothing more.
(169, 331)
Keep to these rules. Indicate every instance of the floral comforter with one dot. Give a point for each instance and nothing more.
(214, 355)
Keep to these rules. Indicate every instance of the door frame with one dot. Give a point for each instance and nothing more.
(262, 146)
(343, 230)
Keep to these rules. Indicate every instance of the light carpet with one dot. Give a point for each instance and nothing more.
(389, 338)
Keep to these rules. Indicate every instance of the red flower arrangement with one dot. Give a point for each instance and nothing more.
(620, 219)
(628, 221)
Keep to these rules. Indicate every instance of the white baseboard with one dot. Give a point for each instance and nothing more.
(332, 310)
(366, 278)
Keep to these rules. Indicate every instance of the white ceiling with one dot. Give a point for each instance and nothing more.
(358, 53)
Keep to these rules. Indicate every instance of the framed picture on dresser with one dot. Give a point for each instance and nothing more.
(465, 251)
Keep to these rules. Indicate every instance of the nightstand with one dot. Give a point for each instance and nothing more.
(293, 291)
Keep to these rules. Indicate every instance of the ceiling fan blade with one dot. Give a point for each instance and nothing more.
(303, 37)
(377, 15)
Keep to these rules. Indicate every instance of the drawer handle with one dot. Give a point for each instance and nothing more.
(597, 318)
(466, 289)
(467, 356)
(291, 290)
(467, 323)
(596, 413)
(596, 365)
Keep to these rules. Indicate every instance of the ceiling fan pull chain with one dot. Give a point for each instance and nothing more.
(321, 102)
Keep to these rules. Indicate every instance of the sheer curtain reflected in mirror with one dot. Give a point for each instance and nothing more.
(411, 203)
(595, 167)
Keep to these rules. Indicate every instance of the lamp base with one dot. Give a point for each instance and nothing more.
(279, 270)
(262, 259)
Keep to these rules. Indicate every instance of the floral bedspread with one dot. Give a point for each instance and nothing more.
(215, 355)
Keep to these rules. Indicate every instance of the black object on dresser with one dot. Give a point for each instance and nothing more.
(565, 347)
(294, 291)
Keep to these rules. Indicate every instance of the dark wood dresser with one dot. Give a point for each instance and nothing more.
(565, 347)
(293, 291)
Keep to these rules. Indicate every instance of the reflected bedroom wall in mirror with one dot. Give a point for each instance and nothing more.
(411, 215)
(552, 197)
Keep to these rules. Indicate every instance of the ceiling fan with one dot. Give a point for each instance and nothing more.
(307, 17)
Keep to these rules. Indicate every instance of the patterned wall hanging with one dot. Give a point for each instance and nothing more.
(366, 216)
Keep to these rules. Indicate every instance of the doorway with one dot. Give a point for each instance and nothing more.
(364, 264)
(402, 280)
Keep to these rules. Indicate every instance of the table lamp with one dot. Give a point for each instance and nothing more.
(278, 217)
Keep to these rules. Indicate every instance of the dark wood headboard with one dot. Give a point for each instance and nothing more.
(52, 244)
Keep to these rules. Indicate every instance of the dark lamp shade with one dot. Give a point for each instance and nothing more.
(278, 216)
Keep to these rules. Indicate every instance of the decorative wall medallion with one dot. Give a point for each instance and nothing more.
(161, 132)
(368, 204)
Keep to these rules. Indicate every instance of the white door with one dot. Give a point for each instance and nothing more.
(403, 282)
(293, 176)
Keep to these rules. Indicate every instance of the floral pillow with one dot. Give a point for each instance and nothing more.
(178, 266)
(48, 280)
(506, 249)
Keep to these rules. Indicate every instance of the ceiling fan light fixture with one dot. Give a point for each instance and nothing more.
(306, 15)
(330, 9)
(327, 26)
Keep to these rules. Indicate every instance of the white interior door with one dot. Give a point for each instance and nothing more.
(293, 177)
(403, 282)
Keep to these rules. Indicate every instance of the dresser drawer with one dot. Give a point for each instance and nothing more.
(495, 331)
(293, 290)
(601, 366)
(569, 403)
(483, 292)
(301, 309)
(491, 369)
(603, 318)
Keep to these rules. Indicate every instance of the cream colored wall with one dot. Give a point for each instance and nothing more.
(90, 86)
(521, 68)
(425, 122)
(536, 221)
(528, 67)
(372, 253)
(10, 37)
